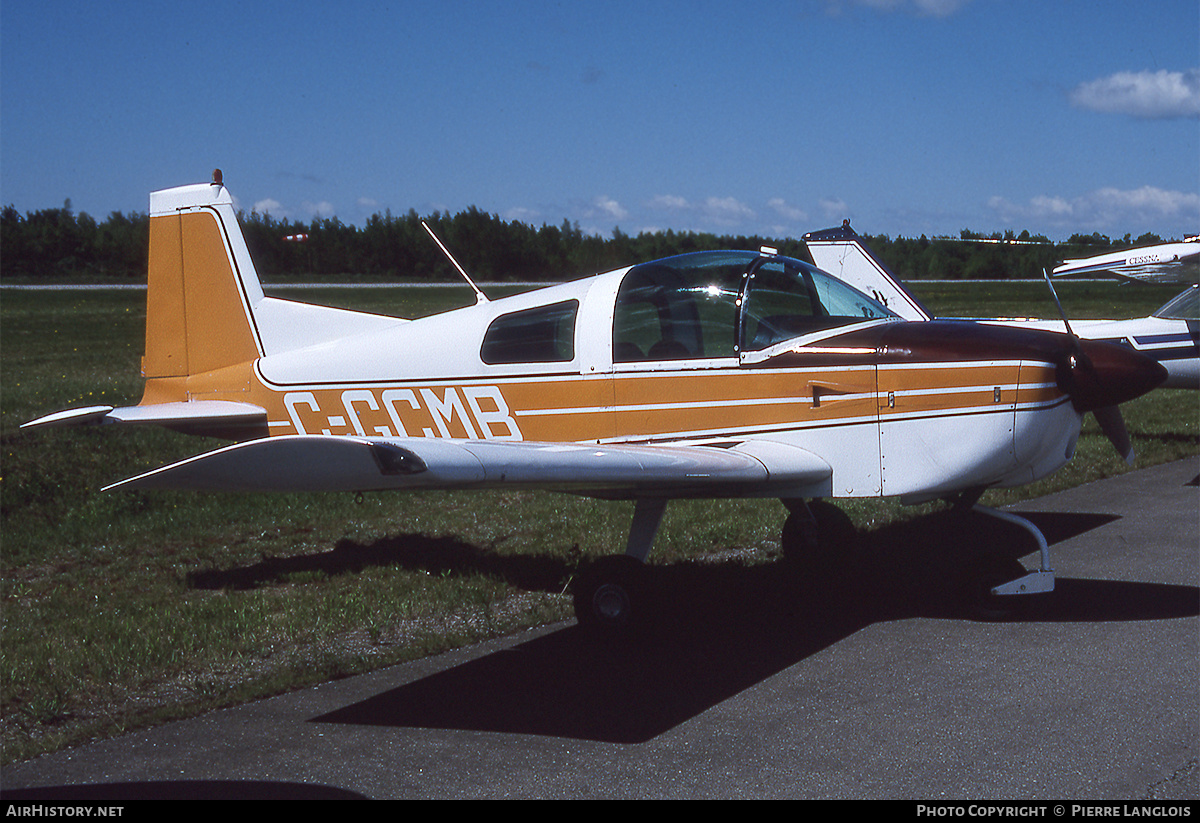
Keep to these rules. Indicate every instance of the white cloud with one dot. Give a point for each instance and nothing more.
(1050, 206)
(608, 207)
(922, 8)
(939, 8)
(1106, 209)
(269, 206)
(726, 211)
(788, 212)
(322, 209)
(669, 202)
(723, 212)
(834, 208)
(598, 216)
(307, 210)
(1147, 200)
(1144, 94)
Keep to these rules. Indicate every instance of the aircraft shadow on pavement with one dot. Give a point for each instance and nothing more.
(721, 628)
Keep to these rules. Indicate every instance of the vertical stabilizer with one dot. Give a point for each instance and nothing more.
(842, 253)
(201, 285)
(208, 323)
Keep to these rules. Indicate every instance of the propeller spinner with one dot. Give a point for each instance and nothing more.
(1099, 376)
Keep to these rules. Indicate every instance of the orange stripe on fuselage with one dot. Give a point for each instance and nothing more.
(735, 401)
(636, 405)
(906, 390)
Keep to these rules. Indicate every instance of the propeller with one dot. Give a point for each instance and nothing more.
(1099, 376)
(1113, 425)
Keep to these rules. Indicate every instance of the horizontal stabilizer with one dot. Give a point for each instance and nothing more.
(197, 416)
(90, 415)
(306, 463)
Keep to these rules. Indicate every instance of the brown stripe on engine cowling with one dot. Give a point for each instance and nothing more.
(1095, 374)
(936, 341)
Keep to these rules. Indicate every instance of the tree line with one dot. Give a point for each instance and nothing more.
(59, 244)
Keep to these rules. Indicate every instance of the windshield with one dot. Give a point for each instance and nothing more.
(786, 298)
(717, 304)
(1184, 306)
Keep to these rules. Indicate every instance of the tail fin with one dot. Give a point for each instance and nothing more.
(200, 302)
(842, 253)
(207, 321)
(202, 288)
(205, 307)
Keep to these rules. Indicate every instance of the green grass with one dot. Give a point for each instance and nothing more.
(127, 609)
(1081, 299)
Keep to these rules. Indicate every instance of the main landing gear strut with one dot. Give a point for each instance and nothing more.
(610, 594)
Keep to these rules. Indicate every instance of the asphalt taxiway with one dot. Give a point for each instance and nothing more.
(876, 681)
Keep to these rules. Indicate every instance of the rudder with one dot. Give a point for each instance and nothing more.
(201, 284)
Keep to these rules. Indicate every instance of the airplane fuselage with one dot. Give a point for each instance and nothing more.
(791, 382)
(1161, 263)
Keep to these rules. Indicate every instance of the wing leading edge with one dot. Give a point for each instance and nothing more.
(307, 463)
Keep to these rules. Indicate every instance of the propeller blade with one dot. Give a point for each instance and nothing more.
(1098, 377)
(1061, 313)
(1113, 425)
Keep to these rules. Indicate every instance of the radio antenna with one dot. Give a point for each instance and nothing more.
(480, 297)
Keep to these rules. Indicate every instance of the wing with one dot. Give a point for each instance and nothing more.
(1109, 269)
(301, 463)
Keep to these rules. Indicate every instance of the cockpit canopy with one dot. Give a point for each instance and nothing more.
(1184, 306)
(722, 303)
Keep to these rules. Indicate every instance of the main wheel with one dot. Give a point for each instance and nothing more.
(610, 595)
(814, 535)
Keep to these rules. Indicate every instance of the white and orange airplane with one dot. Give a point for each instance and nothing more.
(715, 374)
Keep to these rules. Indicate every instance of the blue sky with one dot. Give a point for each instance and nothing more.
(908, 117)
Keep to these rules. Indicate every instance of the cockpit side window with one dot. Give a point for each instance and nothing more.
(782, 306)
(545, 334)
(665, 312)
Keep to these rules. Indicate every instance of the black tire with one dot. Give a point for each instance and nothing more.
(835, 530)
(610, 597)
(817, 542)
(982, 577)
